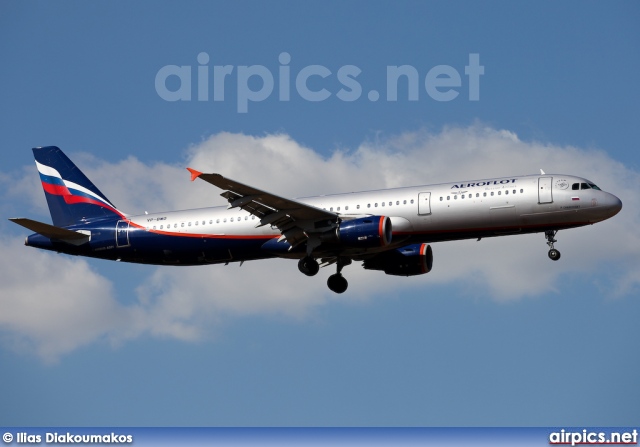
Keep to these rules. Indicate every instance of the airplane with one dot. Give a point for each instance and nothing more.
(388, 230)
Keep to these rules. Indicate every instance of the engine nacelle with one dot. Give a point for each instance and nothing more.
(415, 259)
(367, 232)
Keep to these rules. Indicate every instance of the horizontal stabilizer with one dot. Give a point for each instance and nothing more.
(52, 232)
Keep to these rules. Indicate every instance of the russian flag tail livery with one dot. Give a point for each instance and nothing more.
(71, 196)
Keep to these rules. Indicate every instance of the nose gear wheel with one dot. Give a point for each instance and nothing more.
(554, 254)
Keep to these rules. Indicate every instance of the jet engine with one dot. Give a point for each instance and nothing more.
(411, 260)
(365, 232)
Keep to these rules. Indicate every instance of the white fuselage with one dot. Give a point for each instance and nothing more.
(446, 211)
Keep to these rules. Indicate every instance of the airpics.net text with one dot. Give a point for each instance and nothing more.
(256, 83)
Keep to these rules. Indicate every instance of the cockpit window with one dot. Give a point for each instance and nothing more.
(588, 185)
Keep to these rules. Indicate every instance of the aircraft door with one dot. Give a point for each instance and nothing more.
(544, 190)
(424, 203)
(122, 233)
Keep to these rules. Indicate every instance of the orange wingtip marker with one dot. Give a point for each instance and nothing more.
(194, 174)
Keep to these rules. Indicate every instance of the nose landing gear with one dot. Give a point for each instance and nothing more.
(554, 254)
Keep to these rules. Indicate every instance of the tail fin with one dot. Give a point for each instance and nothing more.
(71, 196)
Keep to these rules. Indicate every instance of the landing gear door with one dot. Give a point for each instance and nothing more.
(424, 203)
(544, 190)
(122, 233)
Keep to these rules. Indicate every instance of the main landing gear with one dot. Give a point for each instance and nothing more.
(336, 282)
(554, 254)
(308, 266)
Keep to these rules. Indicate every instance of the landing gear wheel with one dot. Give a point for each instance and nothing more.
(308, 266)
(554, 254)
(337, 283)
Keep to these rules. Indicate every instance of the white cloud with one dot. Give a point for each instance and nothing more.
(53, 304)
(184, 303)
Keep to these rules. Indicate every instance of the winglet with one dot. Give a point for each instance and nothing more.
(194, 174)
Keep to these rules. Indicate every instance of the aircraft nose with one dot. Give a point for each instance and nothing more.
(614, 204)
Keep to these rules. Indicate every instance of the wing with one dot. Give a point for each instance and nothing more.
(296, 221)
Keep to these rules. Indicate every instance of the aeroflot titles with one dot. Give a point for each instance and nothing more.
(490, 182)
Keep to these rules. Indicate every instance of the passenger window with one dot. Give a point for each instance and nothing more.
(404, 202)
(154, 227)
(484, 194)
(499, 193)
(506, 192)
(448, 197)
(398, 202)
(441, 199)
(491, 193)
(575, 186)
(376, 205)
(346, 208)
(455, 197)
(161, 227)
(196, 223)
(358, 207)
(411, 201)
(462, 196)
(477, 194)
(368, 205)
(217, 221)
(390, 203)
(338, 208)
(382, 203)
(521, 191)
(514, 191)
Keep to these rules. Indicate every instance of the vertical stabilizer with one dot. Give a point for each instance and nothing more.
(71, 196)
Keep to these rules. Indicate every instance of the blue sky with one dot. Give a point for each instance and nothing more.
(496, 335)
